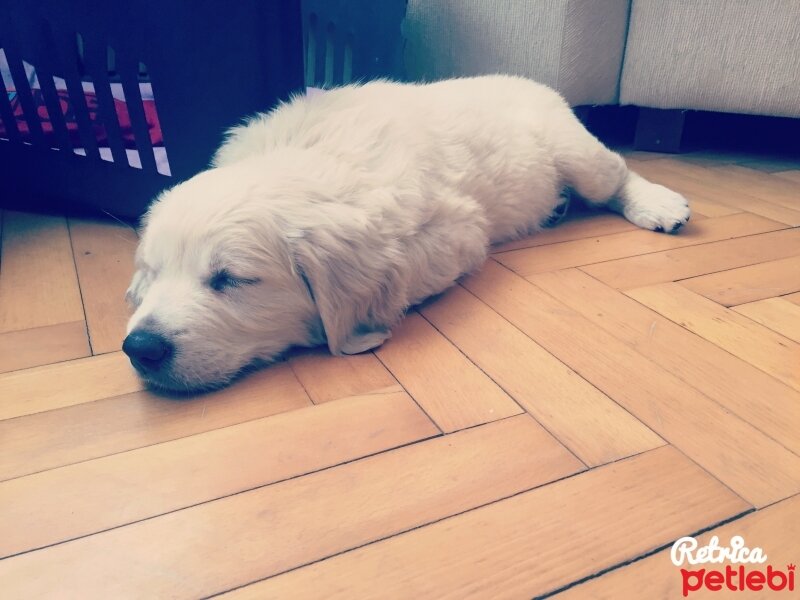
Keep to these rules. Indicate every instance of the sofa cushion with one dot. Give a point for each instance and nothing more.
(732, 56)
(574, 46)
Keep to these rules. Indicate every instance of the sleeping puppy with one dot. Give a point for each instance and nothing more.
(323, 221)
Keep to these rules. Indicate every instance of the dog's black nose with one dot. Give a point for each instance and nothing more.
(147, 350)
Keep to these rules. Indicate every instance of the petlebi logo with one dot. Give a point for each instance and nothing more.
(743, 571)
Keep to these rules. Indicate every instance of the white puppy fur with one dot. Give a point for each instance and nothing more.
(325, 219)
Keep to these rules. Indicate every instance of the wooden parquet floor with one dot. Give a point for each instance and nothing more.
(547, 427)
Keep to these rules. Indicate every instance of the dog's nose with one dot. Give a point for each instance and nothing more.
(147, 350)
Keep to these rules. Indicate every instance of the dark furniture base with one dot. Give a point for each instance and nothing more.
(659, 130)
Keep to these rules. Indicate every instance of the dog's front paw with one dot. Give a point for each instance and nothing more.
(657, 208)
(356, 343)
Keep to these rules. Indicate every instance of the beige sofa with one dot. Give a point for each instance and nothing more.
(720, 55)
(574, 46)
(738, 56)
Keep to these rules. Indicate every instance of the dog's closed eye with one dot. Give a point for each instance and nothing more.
(223, 280)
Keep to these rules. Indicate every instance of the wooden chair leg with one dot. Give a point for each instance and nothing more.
(659, 130)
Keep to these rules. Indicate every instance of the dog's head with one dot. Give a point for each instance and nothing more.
(235, 267)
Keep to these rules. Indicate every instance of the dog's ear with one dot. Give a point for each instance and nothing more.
(139, 284)
(358, 294)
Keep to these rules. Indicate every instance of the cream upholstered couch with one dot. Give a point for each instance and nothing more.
(720, 55)
(738, 56)
(575, 46)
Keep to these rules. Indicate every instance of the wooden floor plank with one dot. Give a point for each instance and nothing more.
(756, 397)
(527, 545)
(326, 377)
(690, 181)
(702, 206)
(761, 470)
(778, 314)
(594, 250)
(711, 158)
(38, 285)
(115, 490)
(777, 190)
(763, 348)
(64, 384)
(775, 529)
(90, 430)
(740, 179)
(769, 164)
(642, 155)
(792, 175)
(701, 200)
(43, 345)
(793, 298)
(584, 419)
(281, 526)
(104, 258)
(575, 228)
(682, 263)
(751, 283)
(452, 390)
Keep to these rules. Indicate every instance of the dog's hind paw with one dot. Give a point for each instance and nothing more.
(657, 208)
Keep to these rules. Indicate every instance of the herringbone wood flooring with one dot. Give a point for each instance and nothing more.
(594, 393)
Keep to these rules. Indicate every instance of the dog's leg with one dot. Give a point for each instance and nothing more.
(650, 205)
(602, 178)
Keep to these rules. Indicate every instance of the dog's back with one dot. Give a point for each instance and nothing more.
(486, 138)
